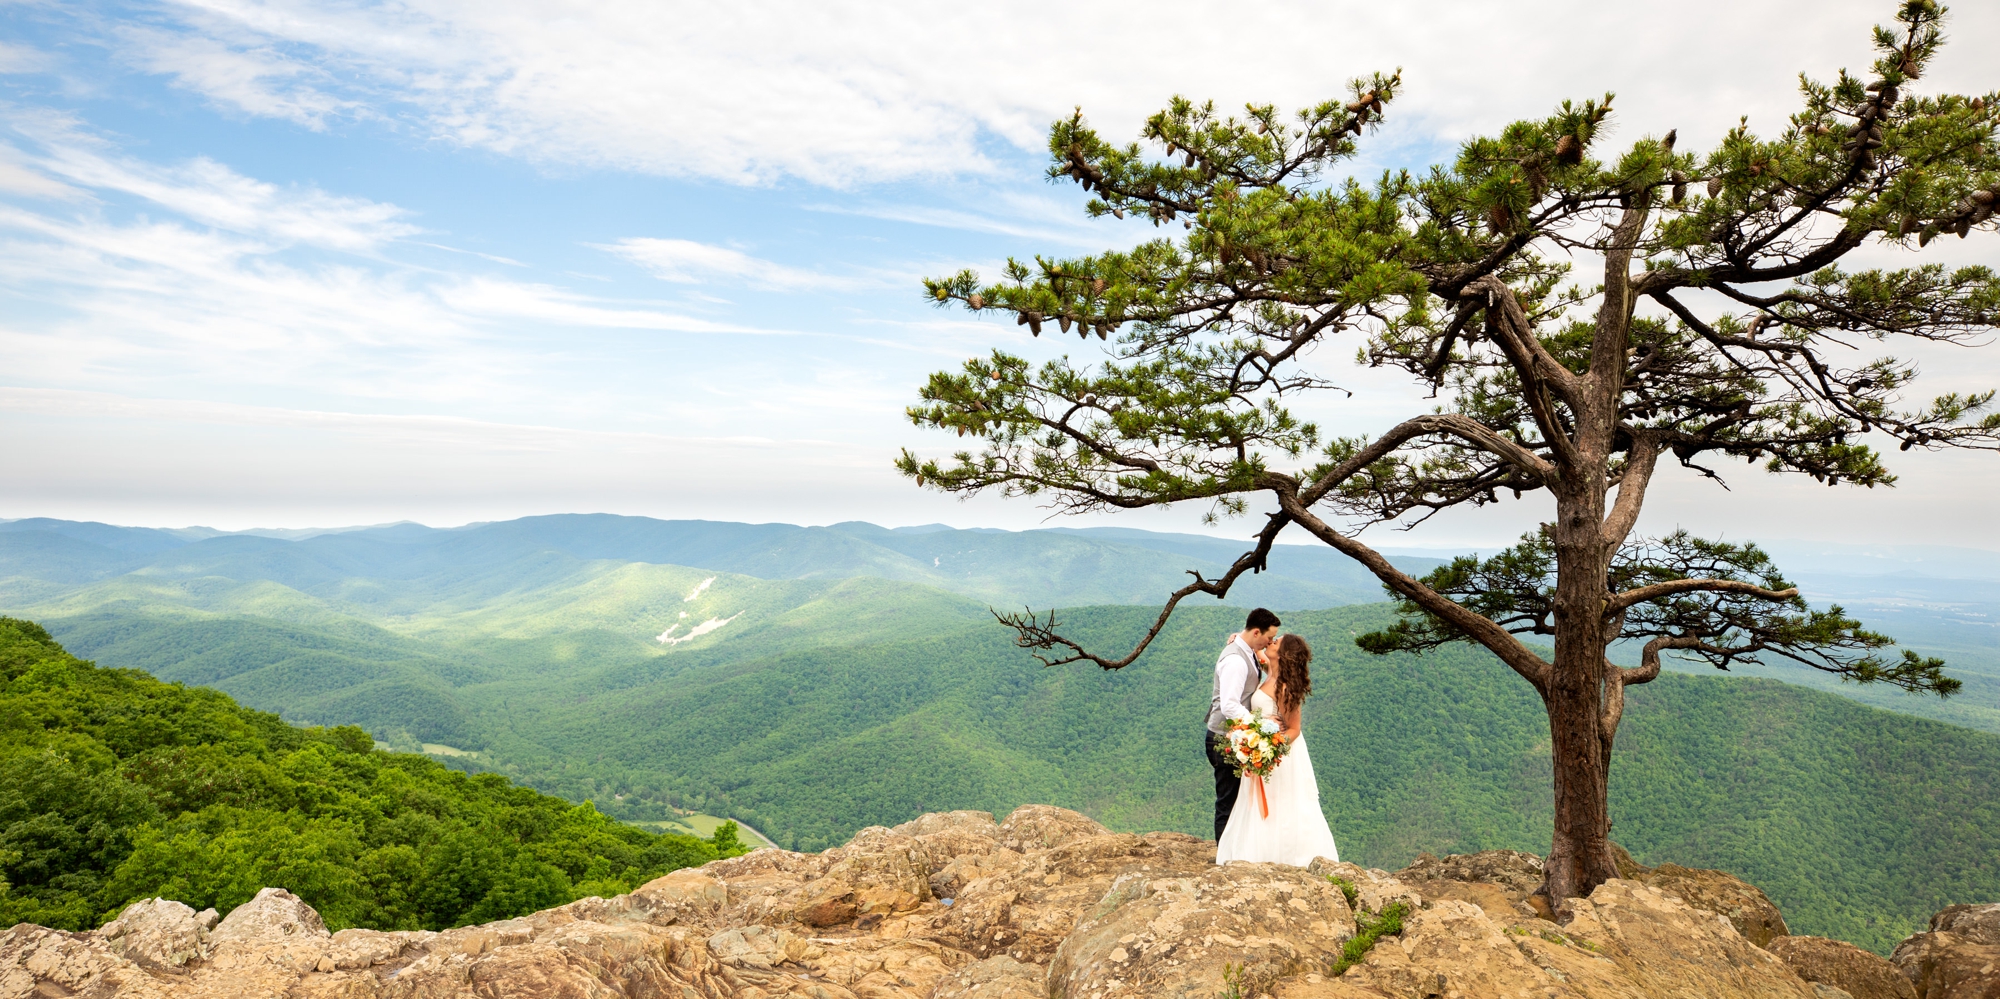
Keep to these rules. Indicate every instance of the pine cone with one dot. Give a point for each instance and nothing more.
(1568, 150)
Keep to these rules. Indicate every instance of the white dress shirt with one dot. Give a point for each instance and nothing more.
(1236, 660)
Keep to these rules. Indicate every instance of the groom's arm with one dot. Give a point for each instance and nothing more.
(1235, 670)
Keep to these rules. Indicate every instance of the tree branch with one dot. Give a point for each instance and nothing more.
(1614, 313)
(1463, 428)
(1617, 678)
(1034, 632)
(1639, 464)
(1510, 328)
(1654, 591)
(1479, 628)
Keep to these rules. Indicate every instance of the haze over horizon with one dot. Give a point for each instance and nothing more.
(301, 263)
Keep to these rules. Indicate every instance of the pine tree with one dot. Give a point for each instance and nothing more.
(1724, 328)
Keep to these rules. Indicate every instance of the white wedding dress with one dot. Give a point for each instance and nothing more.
(1296, 830)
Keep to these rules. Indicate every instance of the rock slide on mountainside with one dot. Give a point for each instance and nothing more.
(1047, 903)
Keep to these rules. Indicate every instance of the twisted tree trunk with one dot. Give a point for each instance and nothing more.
(1580, 849)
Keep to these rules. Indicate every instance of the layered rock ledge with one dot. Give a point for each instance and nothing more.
(1046, 903)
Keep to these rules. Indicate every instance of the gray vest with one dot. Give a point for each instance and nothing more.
(1250, 681)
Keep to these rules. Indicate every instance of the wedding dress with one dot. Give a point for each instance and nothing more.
(1296, 830)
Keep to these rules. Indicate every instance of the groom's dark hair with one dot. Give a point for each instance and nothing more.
(1261, 620)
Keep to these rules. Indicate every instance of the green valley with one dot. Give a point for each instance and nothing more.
(813, 701)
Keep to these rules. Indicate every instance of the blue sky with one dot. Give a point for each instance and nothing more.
(299, 263)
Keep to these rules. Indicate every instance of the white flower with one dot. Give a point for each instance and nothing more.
(1270, 727)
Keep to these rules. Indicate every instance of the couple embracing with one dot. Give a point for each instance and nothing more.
(1262, 671)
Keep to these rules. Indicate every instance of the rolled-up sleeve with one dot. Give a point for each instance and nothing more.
(1234, 670)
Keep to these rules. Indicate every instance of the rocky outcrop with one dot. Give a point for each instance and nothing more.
(160, 934)
(1745, 905)
(1843, 966)
(276, 928)
(1177, 935)
(1045, 903)
(1958, 957)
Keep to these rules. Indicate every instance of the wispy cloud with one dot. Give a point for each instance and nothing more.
(240, 70)
(685, 261)
(207, 192)
(16, 58)
(848, 92)
(522, 300)
(949, 218)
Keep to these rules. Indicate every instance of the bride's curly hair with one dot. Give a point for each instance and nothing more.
(1294, 678)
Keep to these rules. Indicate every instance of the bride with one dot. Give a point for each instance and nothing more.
(1295, 832)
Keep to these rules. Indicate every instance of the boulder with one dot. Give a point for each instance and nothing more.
(159, 933)
(879, 875)
(1843, 966)
(761, 886)
(1044, 827)
(1745, 905)
(1195, 935)
(352, 949)
(1958, 957)
(1374, 890)
(690, 895)
(958, 848)
(1026, 911)
(275, 928)
(37, 961)
(1625, 940)
(1665, 945)
(1519, 873)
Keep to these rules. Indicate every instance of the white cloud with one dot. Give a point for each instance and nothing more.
(856, 92)
(484, 296)
(212, 194)
(685, 261)
(241, 73)
(19, 176)
(16, 58)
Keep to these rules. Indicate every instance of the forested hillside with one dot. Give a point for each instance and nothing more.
(811, 707)
(115, 786)
(1447, 753)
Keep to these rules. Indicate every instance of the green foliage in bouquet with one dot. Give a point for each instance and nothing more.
(115, 786)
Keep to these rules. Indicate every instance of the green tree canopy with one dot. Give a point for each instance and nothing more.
(116, 787)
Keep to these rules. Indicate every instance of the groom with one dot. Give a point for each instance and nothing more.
(1236, 678)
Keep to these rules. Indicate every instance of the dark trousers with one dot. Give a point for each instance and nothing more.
(1226, 781)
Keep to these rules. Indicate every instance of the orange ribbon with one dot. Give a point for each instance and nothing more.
(1263, 805)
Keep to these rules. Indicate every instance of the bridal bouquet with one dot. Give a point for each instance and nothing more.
(1256, 750)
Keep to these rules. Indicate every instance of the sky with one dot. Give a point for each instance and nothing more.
(309, 263)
